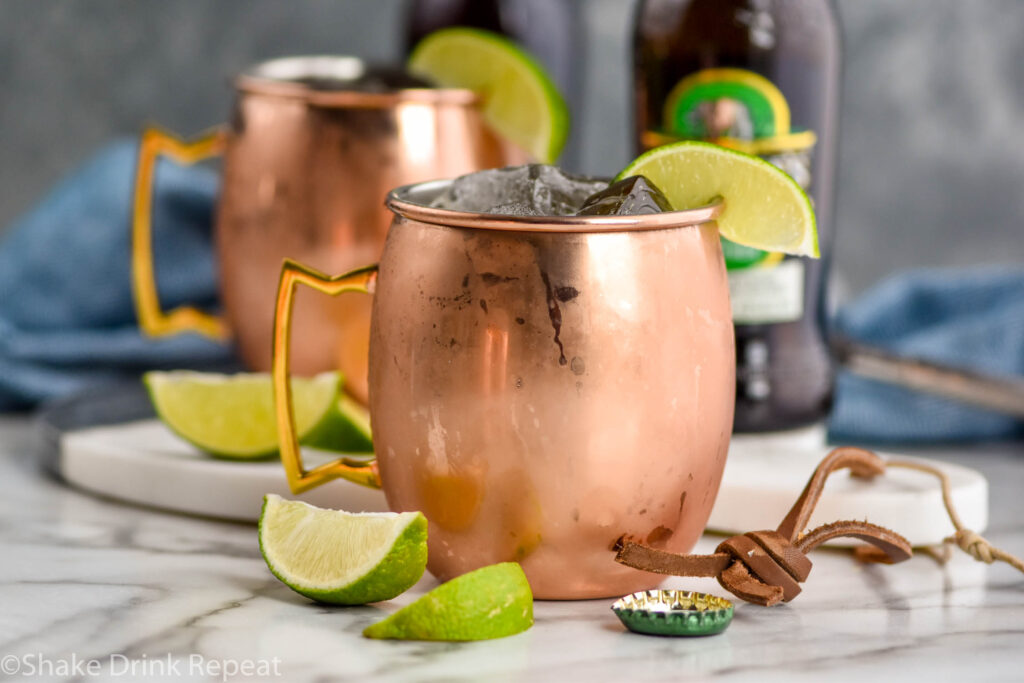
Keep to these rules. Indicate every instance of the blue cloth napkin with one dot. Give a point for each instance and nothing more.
(67, 318)
(966, 318)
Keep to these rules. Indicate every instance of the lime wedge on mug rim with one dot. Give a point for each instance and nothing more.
(342, 558)
(520, 101)
(763, 208)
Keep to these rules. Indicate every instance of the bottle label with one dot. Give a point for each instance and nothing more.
(745, 111)
(768, 295)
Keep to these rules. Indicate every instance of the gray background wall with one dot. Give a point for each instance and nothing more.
(931, 159)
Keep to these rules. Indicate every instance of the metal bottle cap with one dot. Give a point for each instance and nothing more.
(674, 613)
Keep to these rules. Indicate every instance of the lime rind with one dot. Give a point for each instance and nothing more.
(491, 602)
(342, 558)
(532, 114)
(345, 429)
(232, 417)
(764, 207)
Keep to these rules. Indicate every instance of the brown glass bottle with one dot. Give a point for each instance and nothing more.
(716, 69)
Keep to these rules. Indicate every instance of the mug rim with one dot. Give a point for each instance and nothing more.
(259, 79)
(400, 202)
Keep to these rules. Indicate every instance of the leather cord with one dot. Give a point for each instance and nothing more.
(767, 567)
(967, 540)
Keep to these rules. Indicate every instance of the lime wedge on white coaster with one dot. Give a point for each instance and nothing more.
(764, 207)
(346, 428)
(232, 416)
(342, 558)
(520, 101)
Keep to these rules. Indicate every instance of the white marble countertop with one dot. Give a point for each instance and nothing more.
(95, 590)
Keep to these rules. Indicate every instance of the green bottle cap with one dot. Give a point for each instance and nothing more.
(674, 613)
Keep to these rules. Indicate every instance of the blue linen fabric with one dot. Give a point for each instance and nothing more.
(67, 317)
(966, 318)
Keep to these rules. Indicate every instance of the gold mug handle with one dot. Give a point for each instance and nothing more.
(299, 479)
(152, 319)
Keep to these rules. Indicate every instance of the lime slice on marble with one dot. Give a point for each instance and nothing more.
(520, 100)
(491, 602)
(342, 558)
(232, 416)
(764, 206)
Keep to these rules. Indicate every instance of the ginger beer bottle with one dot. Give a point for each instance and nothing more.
(760, 76)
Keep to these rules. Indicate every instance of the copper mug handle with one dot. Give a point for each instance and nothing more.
(299, 479)
(153, 321)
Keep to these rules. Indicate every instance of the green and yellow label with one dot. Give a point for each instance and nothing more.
(735, 108)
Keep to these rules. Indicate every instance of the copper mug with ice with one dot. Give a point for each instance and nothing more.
(313, 146)
(539, 386)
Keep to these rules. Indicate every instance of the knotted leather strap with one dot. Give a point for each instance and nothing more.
(767, 567)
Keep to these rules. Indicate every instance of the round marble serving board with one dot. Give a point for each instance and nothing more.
(109, 443)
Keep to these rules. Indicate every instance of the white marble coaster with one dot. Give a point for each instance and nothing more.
(763, 478)
(143, 462)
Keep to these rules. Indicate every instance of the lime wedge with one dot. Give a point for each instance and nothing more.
(492, 602)
(345, 428)
(232, 416)
(764, 207)
(519, 99)
(342, 558)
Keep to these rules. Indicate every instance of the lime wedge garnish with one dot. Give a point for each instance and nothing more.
(520, 101)
(492, 602)
(346, 428)
(232, 416)
(342, 558)
(764, 207)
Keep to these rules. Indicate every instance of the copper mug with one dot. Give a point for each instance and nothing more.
(539, 387)
(305, 173)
